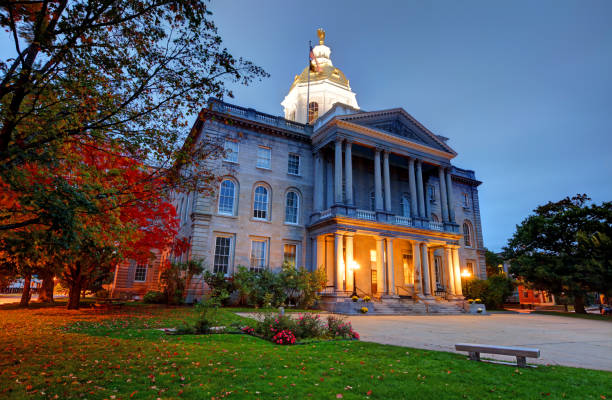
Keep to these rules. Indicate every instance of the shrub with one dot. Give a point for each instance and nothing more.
(271, 324)
(309, 326)
(493, 291)
(364, 310)
(220, 286)
(244, 283)
(284, 338)
(154, 297)
(338, 328)
(355, 299)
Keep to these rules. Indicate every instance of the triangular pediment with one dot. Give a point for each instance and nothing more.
(399, 123)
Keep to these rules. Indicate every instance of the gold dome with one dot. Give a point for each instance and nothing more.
(329, 72)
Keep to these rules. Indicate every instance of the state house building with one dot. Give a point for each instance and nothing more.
(371, 193)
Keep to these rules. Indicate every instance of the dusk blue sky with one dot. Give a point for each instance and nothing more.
(523, 89)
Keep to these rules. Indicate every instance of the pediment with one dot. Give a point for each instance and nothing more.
(399, 123)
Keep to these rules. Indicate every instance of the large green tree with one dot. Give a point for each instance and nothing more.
(562, 247)
(128, 73)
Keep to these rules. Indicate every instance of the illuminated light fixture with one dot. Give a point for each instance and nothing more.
(465, 273)
(354, 266)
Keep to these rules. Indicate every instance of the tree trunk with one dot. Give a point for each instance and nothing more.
(74, 295)
(579, 303)
(76, 281)
(46, 291)
(26, 294)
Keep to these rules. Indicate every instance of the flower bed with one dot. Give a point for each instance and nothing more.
(284, 330)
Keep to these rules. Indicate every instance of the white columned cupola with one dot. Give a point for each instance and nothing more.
(328, 85)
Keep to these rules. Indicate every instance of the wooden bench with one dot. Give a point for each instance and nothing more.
(521, 353)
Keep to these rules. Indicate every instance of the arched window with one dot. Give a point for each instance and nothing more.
(292, 207)
(467, 234)
(313, 111)
(435, 218)
(227, 197)
(260, 203)
(406, 205)
(372, 201)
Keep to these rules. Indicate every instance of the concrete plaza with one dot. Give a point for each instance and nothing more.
(566, 341)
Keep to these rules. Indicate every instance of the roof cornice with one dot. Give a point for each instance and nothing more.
(382, 135)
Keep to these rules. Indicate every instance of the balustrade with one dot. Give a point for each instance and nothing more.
(401, 220)
(366, 214)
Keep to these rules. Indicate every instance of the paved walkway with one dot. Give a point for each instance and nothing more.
(566, 341)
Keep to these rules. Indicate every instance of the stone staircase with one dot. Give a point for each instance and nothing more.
(393, 306)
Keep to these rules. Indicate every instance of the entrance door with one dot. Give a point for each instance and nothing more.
(439, 277)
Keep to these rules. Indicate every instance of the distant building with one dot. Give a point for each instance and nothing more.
(351, 188)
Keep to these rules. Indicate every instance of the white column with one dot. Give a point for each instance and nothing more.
(414, 208)
(338, 172)
(348, 170)
(378, 203)
(380, 268)
(425, 270)
(449, 193)
(448, 261)
(320, 256)
(420, 191)
(390, 267)
(416, 261)
(443, 199)
(329, 184)
(387, 179)
(457, 267)
(318, 186)
(339, 262)
(349, 261)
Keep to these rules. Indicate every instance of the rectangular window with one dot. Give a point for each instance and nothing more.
(140, 274)
(230, 148)
(466, 200)
(223, 246)
(290, 254)
(293, 164)
(431, 193)
(259, 254)
(408, 268)
(470, 267)
(264, 154)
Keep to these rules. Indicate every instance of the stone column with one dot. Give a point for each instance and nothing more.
(318, 186)
(420, 191)
(425, 270)
(320, 256)
(432, 271)
(414, 208)
(348, 170)
(339, 262)
(378, 203)
(380, 268)
(349, 261)
(329, 184)
(448, 260)
(338, 172)
(449, 195)
(390, 267)
(416, 261)
(457, 267)
(443, 198)
(387, 179)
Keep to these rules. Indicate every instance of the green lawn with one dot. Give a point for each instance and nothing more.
(58, 354)
(596, 317)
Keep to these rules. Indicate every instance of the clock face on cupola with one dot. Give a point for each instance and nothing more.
(320, 85)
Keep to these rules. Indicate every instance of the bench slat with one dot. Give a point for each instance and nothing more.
(503, 350)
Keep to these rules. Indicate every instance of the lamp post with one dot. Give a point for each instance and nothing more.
(465, 274)
(354, 266)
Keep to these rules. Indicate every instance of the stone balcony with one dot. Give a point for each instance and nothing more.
(383, 217)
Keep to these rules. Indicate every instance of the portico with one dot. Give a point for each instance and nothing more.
(391, 261)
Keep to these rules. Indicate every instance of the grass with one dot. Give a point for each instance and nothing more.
(50, 352)
(596, 317)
